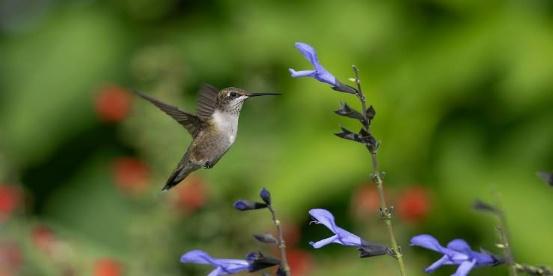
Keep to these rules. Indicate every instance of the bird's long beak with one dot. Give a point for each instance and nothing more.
(260, 94)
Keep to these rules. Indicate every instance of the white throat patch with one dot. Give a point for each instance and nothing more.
(226, 123)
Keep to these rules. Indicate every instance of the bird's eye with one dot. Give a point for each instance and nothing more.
(233, 94)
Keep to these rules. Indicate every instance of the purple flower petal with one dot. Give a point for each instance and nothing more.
(308, 52)
(231, 266)
(319, 73)
(464, 268)
(324, 217)
(323, 242)
(348, 239)
(459, 245)
(197, 257)
(303, 73)
(342, 237)
(483, 258)
(428, 242)
(216, 272)
(324, 76)
(222, 266)
(437, 264)
(462, 251)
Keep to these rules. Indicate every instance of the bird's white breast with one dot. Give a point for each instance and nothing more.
(227, 124)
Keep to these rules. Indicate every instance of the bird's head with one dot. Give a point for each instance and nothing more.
(231, 98)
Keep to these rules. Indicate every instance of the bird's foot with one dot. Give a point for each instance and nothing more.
(208, 165)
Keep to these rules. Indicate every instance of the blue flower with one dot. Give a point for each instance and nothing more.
(319, 73)
(457, 252)
(222, 266)
(344, 237)
(341, 236)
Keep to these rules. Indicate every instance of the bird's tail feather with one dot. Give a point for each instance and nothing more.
(177, 177)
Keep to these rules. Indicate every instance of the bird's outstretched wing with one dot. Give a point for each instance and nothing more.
(189, 121)
(207, 100)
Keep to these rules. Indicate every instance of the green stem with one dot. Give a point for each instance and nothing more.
(533, 270)
(385, 212)
(504, 238)
(281, 244)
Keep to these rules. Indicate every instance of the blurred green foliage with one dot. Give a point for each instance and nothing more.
(462, 90)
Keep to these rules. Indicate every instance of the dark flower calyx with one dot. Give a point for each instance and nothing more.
(367, 138)
(346, 111)
(362, 137)
(280, 271)
(370, 113)
(340, 87)
(480, 205)
(347, 134)
(266, 238)
(369, 249)
(258, 261)
(245, 205)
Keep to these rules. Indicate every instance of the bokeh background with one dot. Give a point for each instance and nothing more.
(462, 91)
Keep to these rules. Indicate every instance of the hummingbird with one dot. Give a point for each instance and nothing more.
(213, 128)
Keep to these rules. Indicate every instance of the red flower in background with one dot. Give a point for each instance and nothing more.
(300, 261)
(292, 234)
(43, 238)
(131, 175)
(413, 204)
(112, 103)
(11, 258)
(107, 267)
(365, 200)
(191, 195)
(10, 199)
